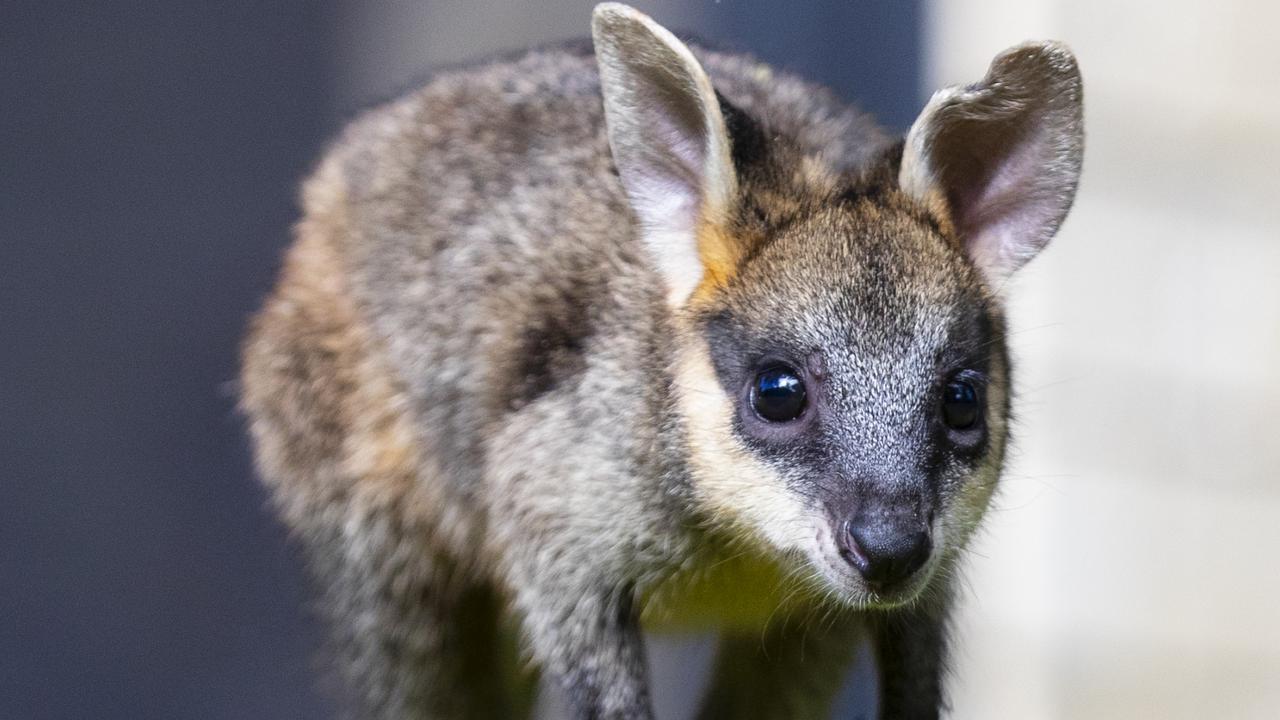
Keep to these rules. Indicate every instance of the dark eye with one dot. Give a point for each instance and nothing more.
(778, 395)
(960, 406)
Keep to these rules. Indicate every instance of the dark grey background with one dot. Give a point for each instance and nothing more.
(149, 153)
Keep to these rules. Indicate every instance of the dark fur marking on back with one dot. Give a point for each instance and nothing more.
(552, 345)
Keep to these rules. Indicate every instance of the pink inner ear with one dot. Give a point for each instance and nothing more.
(1001, 205)
(1001, 188)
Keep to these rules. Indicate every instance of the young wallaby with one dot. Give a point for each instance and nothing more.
(649, 338)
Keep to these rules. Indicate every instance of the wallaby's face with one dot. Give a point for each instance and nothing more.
(851, 403)
(840, 368)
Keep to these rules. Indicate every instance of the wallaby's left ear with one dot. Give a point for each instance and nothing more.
(670, 145)
(1002, 157)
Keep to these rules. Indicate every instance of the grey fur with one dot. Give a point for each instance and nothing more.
(472, 391)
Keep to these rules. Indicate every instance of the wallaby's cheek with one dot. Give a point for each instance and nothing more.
(733, 486)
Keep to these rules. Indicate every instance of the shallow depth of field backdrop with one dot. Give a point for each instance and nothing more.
(149, 154)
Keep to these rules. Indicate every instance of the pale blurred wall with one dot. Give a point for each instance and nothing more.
(1129, 570)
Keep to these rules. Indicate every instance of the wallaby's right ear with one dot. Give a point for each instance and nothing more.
(670, 146)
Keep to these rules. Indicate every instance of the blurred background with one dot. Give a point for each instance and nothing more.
(149, 155)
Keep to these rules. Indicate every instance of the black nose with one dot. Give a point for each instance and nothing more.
(885, 552)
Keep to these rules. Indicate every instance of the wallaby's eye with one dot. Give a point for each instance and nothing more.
(778, 394)
(960, 406)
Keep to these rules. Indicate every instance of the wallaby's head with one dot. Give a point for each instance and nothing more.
(840, 366)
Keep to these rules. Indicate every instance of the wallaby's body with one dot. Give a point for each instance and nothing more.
(698, 390)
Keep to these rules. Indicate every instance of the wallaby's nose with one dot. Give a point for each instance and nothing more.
(886, 552)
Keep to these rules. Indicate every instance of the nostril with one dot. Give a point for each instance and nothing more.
(850, 550)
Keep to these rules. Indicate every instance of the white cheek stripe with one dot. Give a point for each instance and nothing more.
(733, 486)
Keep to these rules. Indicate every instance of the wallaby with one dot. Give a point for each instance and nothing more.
(580, 345)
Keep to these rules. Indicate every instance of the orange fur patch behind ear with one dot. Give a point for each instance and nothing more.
(720, 253)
